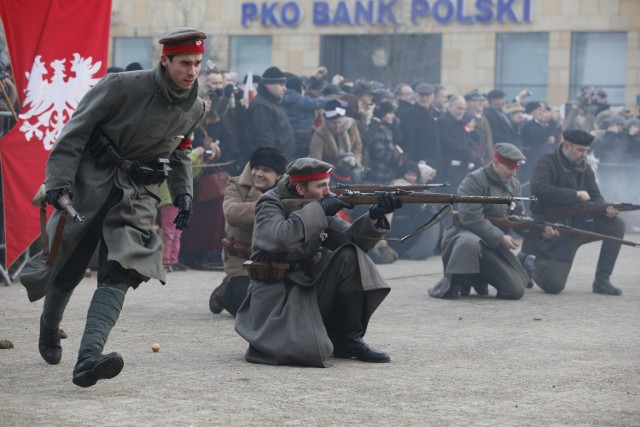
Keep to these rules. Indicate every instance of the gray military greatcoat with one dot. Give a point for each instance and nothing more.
(281, 320)
(146, 120)
(461, 245)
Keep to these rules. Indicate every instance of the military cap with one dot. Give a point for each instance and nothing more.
(307, 169)
(269, 157)
(273, 75)
(509, 155)
(474, 95)
(425, 89)
(182, 40)
(579, 137)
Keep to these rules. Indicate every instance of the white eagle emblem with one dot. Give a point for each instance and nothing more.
(49, 103)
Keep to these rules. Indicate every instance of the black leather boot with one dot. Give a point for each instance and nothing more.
(455, 288)
(49, 344)
(93, 366)
(216, 300)
(604, 268)
(350, 344)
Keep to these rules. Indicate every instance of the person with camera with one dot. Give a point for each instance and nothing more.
(129, 133)
(313, 288)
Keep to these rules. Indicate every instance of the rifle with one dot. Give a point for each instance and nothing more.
(365, 188)
(559, 213)
(523, 222)
(361, 198)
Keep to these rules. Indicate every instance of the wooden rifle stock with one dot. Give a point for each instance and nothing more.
(559, 213)
(522, 222)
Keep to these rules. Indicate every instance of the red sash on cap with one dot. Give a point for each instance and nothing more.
(196, 47)
(308, 177)
(508, 163)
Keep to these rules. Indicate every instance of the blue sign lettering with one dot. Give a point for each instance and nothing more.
(485, 11)
(364, 12)
(342, 15)
(419, 8)
(290, 14)
(505, 7)
(460, 16)
(382, 12)
(385, 12)
(320, 13)
(249, 13)
(267, 15)
(437, 11)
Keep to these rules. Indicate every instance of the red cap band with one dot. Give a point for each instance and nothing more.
(308, 177)
(508, 163)
(197, 46)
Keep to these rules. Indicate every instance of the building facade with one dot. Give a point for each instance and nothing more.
(551, 47)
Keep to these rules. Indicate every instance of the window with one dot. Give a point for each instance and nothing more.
(249, 53)
(387, 58)
(133, 49)
(522, 63)
(599, 60)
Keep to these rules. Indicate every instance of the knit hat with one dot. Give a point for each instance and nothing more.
(269, 157)
(514, 107)
(467, 117)
(273, 75)
(331, 89)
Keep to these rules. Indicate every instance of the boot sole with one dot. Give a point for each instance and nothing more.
(49, 360)
(350, 356)
(103, 370)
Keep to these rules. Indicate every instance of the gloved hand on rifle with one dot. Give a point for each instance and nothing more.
(387, 203)
(332, 205)
(184, 204)
(54, 195)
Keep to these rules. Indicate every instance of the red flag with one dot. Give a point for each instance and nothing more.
(58, 50)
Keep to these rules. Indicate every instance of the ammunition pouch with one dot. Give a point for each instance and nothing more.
(235, 248)
(276, 271)
(142, 172)
(266, 271)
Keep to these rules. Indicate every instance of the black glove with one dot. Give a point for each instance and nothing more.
(184, 204)
(228, 90)
(54, 195)
(217, 93)
(239, 94)
(331, 205)
(387, 203)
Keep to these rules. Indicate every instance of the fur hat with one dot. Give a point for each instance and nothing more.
(269, 157)
(579, 137)
(382, 109)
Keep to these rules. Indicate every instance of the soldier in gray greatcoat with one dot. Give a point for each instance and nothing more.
(129, 133)
(476, 252)
(313, 286)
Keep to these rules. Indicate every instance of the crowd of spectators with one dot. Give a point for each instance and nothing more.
(372, 133)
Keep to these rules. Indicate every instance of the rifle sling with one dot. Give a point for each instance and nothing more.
(435, 219)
